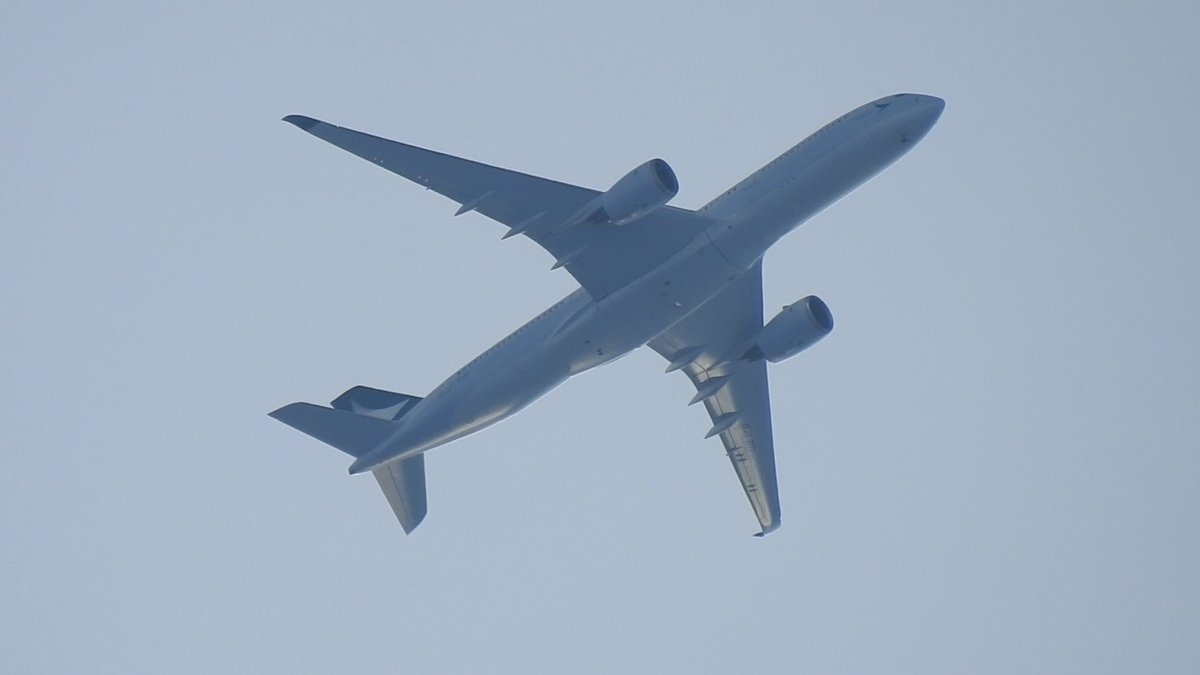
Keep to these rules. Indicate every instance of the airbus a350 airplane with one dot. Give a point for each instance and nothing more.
(686, 283)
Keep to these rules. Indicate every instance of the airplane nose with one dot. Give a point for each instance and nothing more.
(921, 106)
(924, 114)
(933, 110)
(910, 116)
(928, 105)
(935, 106)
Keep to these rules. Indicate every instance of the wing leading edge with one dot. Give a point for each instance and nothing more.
(601, 257)
(735, 392)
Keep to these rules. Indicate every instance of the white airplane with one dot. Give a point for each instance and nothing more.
(686, 283)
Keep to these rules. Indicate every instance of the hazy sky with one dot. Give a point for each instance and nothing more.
(991, 465)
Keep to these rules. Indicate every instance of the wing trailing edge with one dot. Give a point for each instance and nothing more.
(734, 392)
(602, 257)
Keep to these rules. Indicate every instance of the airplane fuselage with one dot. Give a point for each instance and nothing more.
(579, 333)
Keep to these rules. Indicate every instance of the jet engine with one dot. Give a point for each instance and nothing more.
(641, 191)
(797, 327)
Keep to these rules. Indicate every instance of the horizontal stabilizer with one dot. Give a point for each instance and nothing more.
(353, 434)
(403, 484)
(375, 402)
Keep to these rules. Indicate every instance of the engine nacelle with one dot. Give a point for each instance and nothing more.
(797, 327)
(642, 190)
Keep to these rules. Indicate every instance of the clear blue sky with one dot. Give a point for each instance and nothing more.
(989, 466)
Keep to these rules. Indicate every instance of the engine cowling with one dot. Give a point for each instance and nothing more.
(639, 192)
(797, 327)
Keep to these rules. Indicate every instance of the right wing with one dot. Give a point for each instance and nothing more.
(734, 391)
(601, 257)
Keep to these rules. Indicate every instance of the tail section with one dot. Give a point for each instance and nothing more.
(375, 402)
(353, 434)
(361, 419)
(403, 484)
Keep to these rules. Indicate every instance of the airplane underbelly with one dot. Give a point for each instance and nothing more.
(799, 188)
(480, 400)
(518, 372)
(634, 315)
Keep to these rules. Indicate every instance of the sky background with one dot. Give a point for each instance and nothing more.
(991, 465)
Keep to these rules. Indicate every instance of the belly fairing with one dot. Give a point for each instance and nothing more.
(573, 336)
(635, 314)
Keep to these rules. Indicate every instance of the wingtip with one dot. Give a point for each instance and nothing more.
(768, 529)
(409, 526)
(281, 412)
(301, 121)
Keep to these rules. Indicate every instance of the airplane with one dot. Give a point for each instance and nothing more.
(686, 283)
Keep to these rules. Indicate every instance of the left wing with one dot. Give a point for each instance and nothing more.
(601, 257)
(734, 391)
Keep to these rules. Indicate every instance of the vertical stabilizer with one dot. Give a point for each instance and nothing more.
(402, 481)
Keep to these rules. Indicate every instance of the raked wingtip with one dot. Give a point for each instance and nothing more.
(301, 121)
